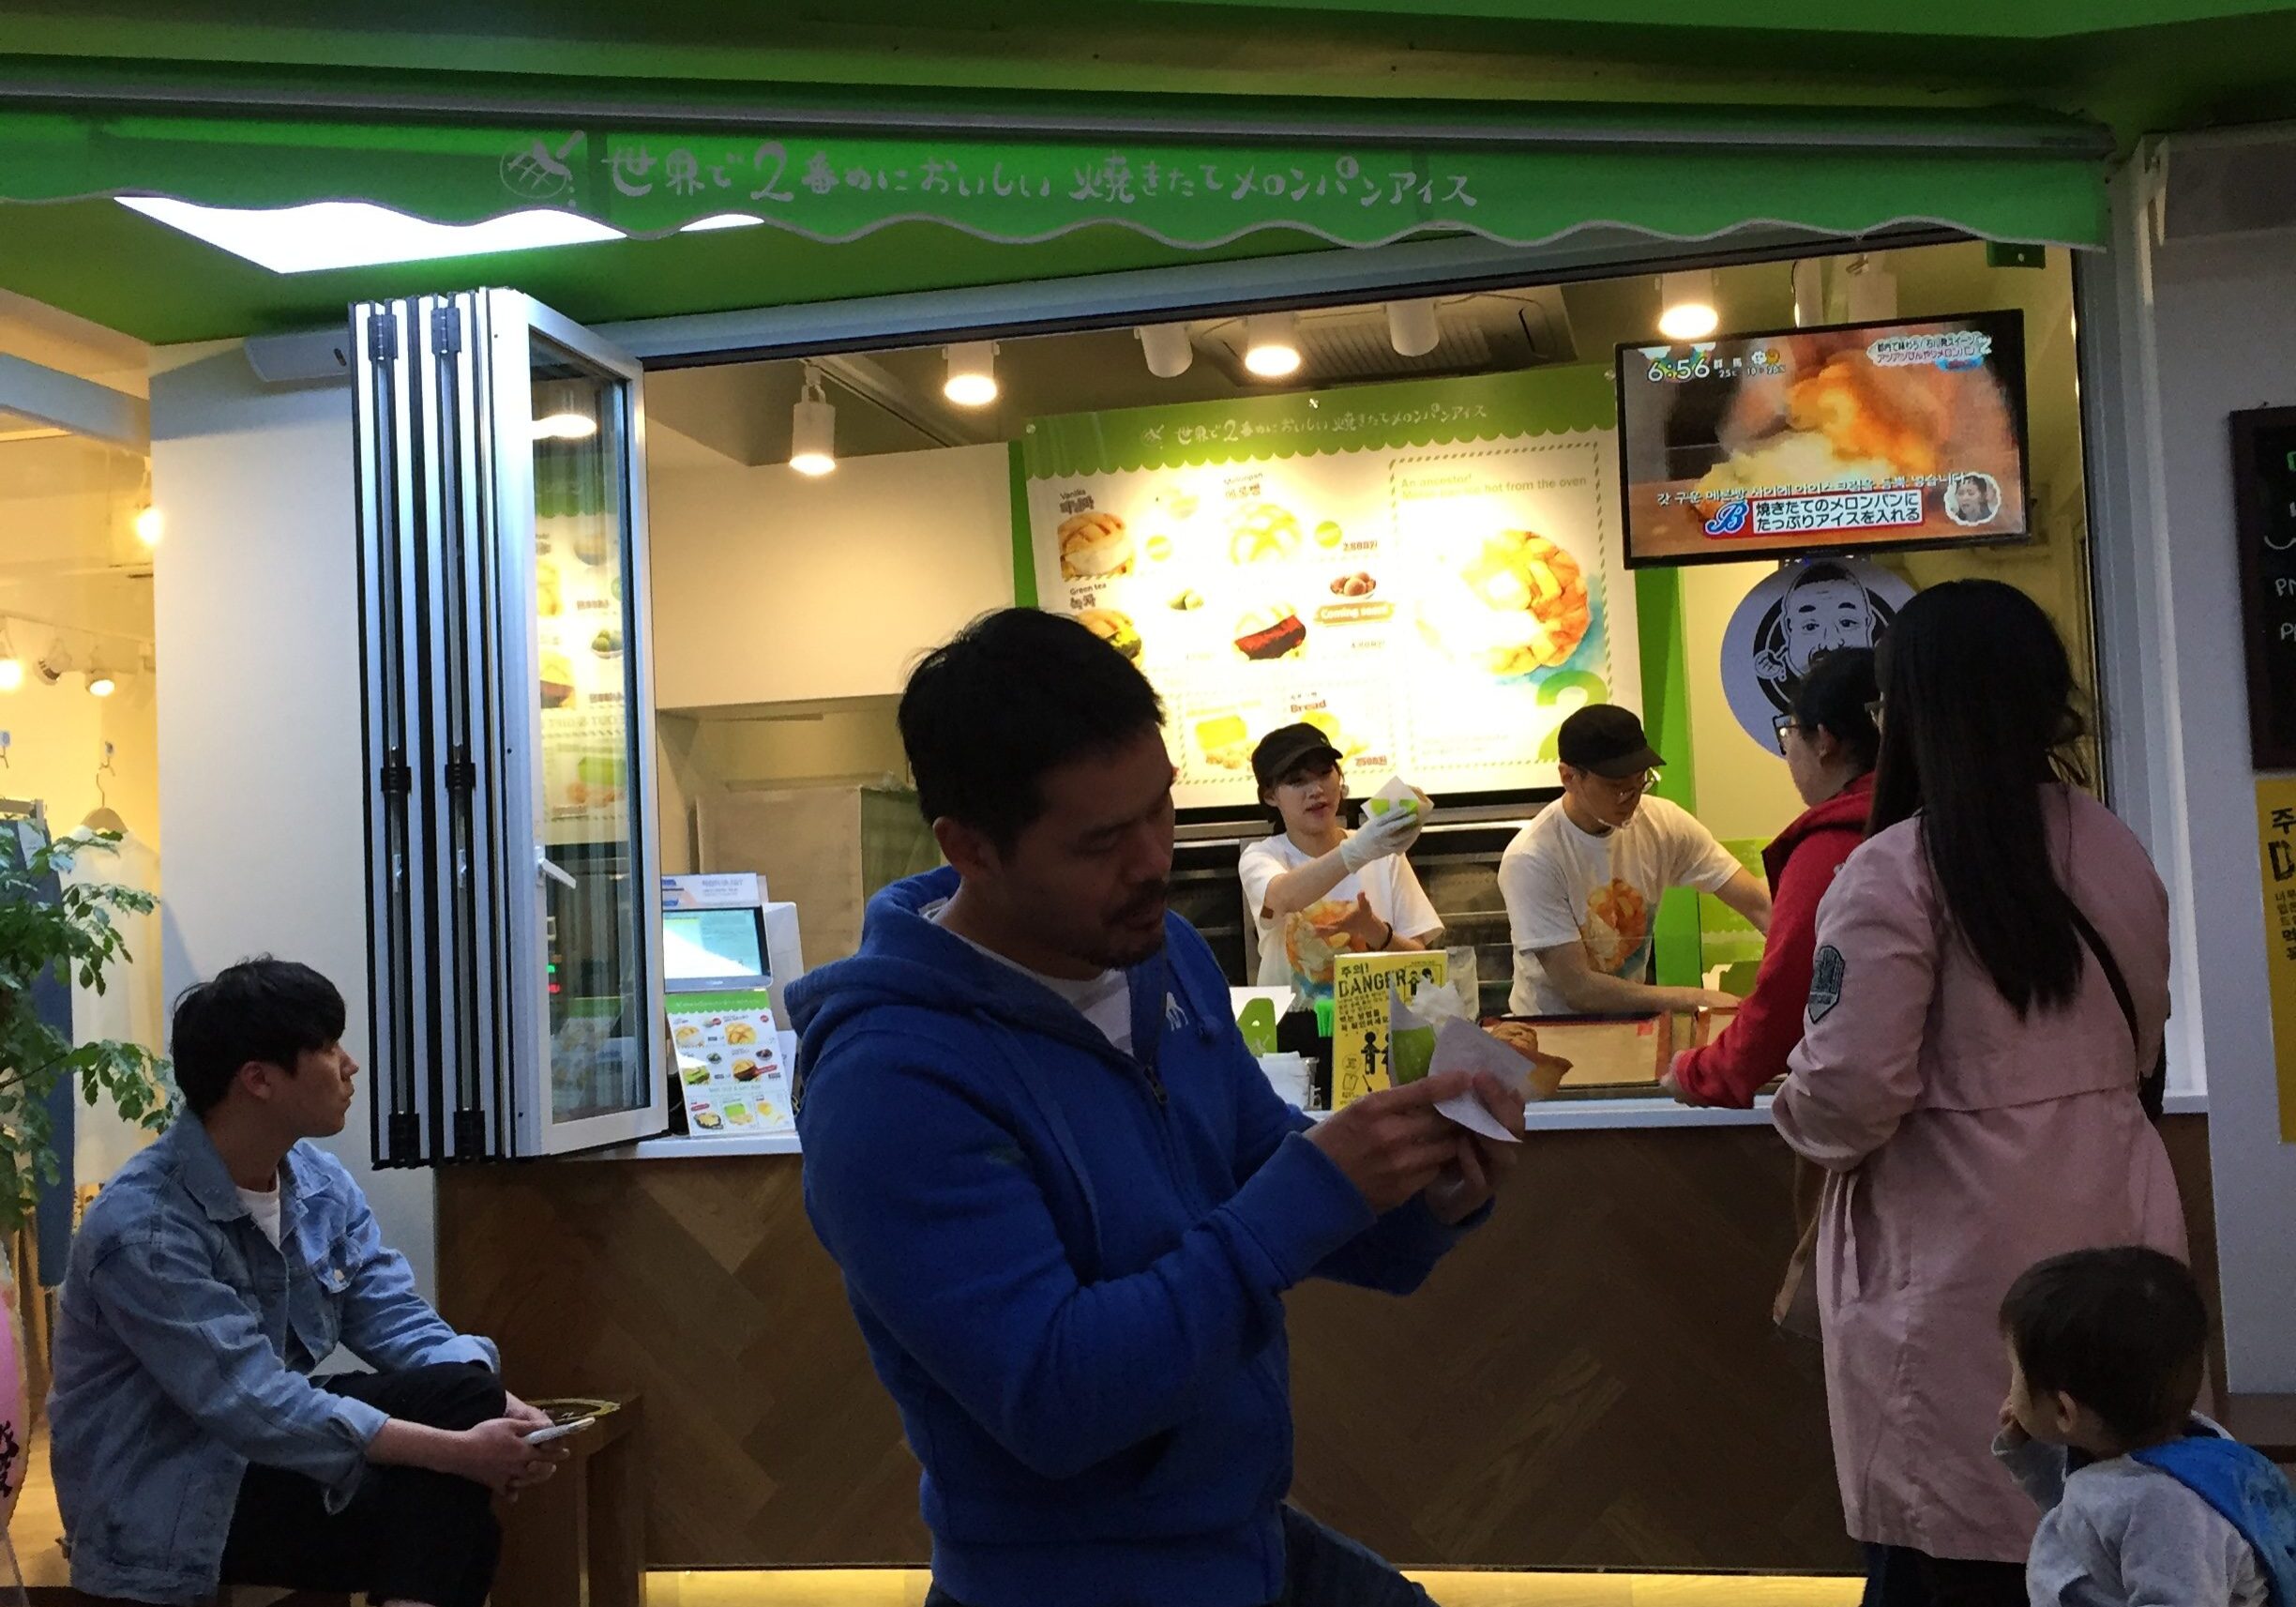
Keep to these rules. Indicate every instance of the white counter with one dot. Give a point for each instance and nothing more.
(1554, 1115)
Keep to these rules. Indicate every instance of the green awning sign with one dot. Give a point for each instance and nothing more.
(840, 186)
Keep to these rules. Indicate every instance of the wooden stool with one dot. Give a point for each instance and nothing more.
(580, 1540)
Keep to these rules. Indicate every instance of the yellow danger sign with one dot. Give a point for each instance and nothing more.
(2277, 859)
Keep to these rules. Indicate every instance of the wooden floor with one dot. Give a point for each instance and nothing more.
(902, 1587)
(35, 1527)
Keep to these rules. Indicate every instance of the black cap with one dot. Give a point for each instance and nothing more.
(1606, 740)
(1285, 747)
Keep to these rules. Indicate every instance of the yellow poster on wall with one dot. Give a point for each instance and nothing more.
(2277, 861)
(1360, 985)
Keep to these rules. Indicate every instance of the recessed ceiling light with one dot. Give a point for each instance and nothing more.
(359, 233)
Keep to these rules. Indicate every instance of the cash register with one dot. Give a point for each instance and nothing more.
(728, 952)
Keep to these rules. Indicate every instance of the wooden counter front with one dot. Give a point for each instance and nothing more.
(1590, 1381)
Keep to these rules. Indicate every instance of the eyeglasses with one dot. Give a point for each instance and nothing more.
(1782, 724)
(1627, 786)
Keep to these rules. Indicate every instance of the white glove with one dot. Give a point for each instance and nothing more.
(1390, 833)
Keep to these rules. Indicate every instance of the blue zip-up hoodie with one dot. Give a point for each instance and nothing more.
(1070, 1262)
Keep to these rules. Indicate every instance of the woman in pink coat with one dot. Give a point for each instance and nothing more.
(1969, 1079)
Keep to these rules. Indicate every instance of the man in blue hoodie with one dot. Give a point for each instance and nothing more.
(1065, 1201)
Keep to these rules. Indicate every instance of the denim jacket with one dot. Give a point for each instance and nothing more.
(184, 1345)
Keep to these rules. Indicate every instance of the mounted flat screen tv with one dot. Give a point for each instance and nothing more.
(1859, 437)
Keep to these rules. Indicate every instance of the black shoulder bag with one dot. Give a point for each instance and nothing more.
(2152, 1086)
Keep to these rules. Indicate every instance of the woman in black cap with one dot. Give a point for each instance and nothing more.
(1315, 889)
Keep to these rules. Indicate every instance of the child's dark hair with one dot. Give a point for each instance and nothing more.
(265, 1009)
(1837, 696)
(1015, 694)
(2122, 1331)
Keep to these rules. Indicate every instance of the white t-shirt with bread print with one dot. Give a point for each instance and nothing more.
(1289, 953)
(1564, 885)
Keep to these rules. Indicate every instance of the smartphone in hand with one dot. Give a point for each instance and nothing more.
(543, 1436)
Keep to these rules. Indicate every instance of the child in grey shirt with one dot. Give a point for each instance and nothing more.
(2144, 1504)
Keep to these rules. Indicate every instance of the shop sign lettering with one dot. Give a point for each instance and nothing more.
(835, 188)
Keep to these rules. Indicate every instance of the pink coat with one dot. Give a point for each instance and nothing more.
(1964, 1145)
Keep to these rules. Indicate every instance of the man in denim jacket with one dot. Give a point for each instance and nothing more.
(192, 1447)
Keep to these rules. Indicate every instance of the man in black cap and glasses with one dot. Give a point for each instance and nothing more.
(1582, 880)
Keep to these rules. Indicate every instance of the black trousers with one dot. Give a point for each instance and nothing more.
(407, 1535)
(1899, 1576)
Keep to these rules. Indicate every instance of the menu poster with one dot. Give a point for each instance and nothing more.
(578, 604)
(729, 1058)
(1360, 986)
(1426, 571)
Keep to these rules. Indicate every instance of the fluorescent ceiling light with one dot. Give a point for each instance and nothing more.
(358, 233)
(564, 427)
(709, 226)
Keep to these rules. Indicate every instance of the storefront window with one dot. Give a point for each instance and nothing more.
(502, 524)
(596, 987)
(1403, 522)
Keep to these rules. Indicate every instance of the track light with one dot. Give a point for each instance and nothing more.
(812, 429)
(971, 373)
(50, 666)
(1807, 279)
(1168, 349)
(101, 684)
(1687, 308)
(148, 525)
(1271, 345)
(12, 667)
(1872, 295)
(1412, 328)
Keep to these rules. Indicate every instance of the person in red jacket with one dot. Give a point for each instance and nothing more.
(1830, 742)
